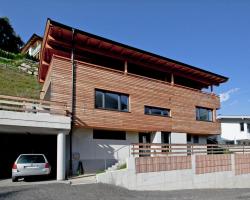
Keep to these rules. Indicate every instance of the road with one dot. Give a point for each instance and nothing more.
(61, 191)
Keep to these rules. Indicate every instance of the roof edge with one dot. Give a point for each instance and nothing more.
(136, 49)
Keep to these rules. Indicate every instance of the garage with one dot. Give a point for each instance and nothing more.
(12, 145)
(26, 132)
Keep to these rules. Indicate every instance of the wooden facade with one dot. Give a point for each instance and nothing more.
(142, 90)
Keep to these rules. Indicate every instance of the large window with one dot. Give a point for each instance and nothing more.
(149, 110)
(248, 128)
(109, 135)
(111, 100)
(204, 114)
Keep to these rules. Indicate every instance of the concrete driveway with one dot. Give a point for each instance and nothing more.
(60, 191)
(9, 183)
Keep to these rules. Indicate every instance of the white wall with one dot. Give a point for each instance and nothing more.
(97, 154)
(156, 137)
(230, 130)
(178, 138)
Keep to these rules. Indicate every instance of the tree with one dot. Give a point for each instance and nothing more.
(9, 40)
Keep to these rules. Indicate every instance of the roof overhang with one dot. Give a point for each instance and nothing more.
(58, 39)
(239, 117)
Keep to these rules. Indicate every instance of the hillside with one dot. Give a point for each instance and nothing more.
(18, 76)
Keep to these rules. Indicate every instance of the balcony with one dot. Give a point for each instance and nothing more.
(20, 104)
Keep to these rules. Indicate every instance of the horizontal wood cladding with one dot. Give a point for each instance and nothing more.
(142, 91)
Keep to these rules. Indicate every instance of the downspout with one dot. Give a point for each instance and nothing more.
(73, 102)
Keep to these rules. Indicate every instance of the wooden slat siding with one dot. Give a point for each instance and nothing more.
(142, 91)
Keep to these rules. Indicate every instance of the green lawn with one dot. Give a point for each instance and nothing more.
(16, 83)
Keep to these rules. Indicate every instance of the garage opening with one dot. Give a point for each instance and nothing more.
(12, 145)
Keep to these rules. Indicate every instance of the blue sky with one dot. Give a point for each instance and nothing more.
(213, 35)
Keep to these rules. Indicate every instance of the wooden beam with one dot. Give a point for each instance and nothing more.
(125, 67)
(121, 57)
(172, 79)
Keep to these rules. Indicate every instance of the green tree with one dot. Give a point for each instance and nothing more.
(9, 40)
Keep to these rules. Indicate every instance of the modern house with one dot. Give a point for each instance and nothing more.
(235, 129)
(33, 46)
(118, 95)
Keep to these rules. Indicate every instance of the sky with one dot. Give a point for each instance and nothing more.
(212, 35)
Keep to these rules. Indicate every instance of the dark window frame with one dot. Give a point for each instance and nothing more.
(197, 111)
(159, 108)
(99, 134)
(119, 100)
(242, 128)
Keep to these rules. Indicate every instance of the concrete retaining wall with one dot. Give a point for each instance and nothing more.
(216, 173)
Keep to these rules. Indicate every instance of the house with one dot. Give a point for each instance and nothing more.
(33, 46)
(235, 129)
(118, 95)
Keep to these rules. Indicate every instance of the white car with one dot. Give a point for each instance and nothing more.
(27, 165)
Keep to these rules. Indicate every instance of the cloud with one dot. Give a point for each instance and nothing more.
(234, 102)
(226, 95)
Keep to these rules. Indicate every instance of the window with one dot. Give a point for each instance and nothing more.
(31, 159)
(204, 114)
(241, 126)
(195, 139)
(189, 138)
(111, 100)
(109, 135)
(149, 110)
(248, 128)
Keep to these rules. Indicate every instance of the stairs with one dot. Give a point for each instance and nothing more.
(116, 166)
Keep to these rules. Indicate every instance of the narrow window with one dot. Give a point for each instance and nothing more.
(111, 100)
(204, 114)
(248, 128)
(189, 138)
(149, 110)
(99, 99)
(109, 135)
(241, 126)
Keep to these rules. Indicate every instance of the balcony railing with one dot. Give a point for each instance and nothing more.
(19, 104)
(157, 149)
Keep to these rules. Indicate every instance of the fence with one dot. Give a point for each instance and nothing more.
(157, 149)
(19, 104)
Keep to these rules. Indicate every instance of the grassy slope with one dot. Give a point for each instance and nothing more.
(16, 83)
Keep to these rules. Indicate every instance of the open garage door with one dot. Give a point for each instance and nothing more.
(11, 145)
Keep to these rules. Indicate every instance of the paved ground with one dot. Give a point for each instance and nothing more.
(61, 191)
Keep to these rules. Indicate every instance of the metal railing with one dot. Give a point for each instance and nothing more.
(155, 149)
(20, 104)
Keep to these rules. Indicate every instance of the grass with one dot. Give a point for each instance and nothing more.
(16, 83)
(123, 166)
(13, 82)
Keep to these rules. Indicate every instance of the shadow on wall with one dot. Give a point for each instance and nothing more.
(105, 153)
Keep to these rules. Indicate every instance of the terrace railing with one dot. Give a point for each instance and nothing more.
(157, 149)
(20, 104)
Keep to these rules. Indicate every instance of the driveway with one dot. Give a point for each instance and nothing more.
(9, 183)
(61, 191)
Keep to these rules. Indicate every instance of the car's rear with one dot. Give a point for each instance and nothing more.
(30, 165)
